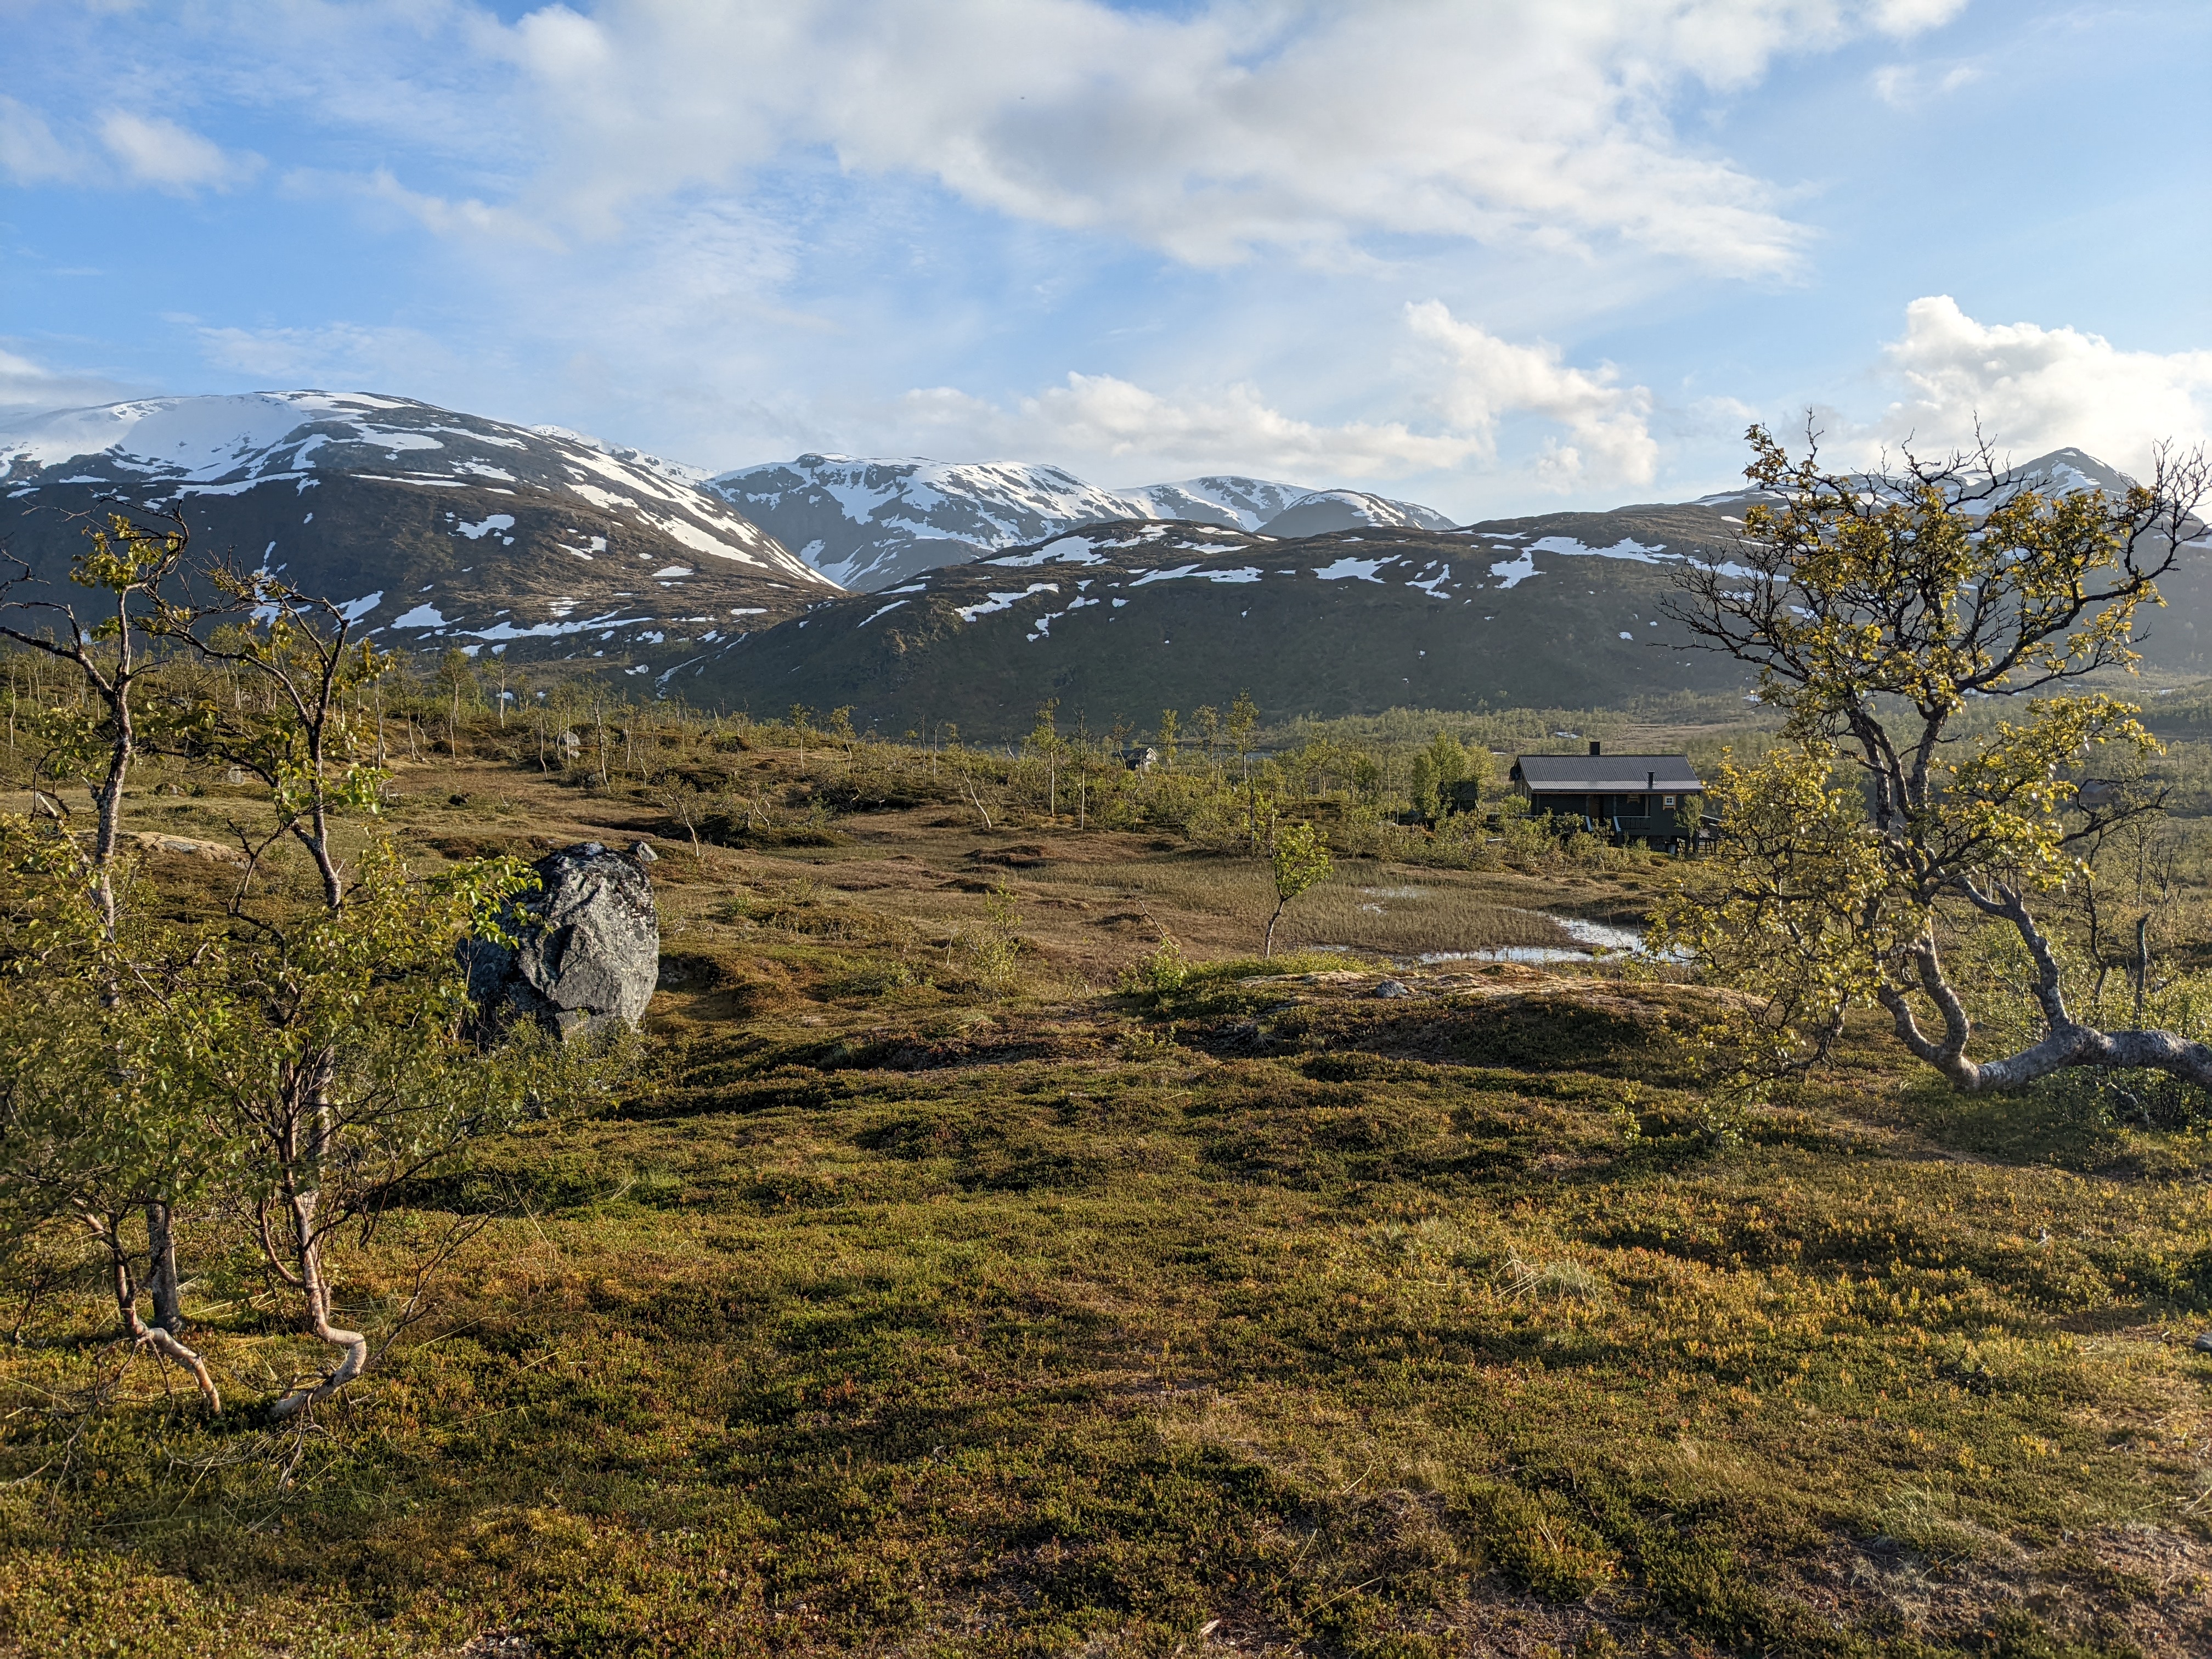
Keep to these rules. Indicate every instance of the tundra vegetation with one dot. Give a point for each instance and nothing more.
(990, 1250)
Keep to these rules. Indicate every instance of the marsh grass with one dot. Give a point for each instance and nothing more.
(1365, 906)
(1402, 918)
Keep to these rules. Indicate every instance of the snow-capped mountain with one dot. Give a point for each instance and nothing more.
(1119, 619)
(179, 449)
(436, 528)
(871, 523)
(997, 584)
(866, 524)
(1241, 503)
(1328, 510)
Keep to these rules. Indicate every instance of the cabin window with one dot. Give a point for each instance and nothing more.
(1631, 806)
(1666, 800)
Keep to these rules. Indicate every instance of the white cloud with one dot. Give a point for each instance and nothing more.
(1241, 125)
(29, 152)
(154, 150)
(1097, 415)
(1103, 425)
(349, 356)
(2035, 389)
(1907, 86)
(28, 385)
(1608, 424)
(437, 213)
(1908, 17)
(139, 150)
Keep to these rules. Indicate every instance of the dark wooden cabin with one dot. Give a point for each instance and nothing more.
(1658, 798)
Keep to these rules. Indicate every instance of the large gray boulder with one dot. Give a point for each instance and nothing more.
(588, 946)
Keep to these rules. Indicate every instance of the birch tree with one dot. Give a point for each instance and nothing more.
(1926, 632)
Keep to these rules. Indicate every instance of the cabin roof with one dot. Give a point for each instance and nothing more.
(1607, 775)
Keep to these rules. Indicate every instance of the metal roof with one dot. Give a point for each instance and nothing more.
(1608, 774)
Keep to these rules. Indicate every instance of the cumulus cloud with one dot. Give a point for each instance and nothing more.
(1237, 126)
(1105, 425)
(1101, 415)
(1608, 435)
(2034, 389)
(1908, 17)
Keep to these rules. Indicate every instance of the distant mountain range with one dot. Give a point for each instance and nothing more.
(872, 524)
(996, 584)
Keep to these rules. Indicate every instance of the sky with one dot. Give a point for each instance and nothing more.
(1496, 256)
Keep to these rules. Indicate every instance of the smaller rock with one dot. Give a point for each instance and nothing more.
(643, 853)
(2203, 1344)
(1391, 987)
(213, 852)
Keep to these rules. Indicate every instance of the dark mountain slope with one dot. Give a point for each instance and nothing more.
(1119, 621)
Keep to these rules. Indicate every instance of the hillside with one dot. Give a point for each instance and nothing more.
(873, 523)
(434, 528)
(1118, 621)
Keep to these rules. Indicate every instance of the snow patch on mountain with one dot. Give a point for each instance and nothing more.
(2059, 472)
(967, 613)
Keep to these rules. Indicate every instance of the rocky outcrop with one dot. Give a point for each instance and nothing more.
(587, 946)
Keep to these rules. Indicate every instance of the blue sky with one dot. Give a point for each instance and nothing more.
(1495, 255)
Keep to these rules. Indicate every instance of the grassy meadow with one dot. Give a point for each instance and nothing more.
(950, 1281)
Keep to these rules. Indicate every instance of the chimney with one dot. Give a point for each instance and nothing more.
(1593, 746)
(1651, 779)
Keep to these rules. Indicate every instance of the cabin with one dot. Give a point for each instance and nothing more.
(1658, 798)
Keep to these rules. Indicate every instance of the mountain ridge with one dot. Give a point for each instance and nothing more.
(871, 522)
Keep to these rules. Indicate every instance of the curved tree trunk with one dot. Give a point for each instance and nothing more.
(315, 1290)
(138, 1332)
(2067, 1044)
